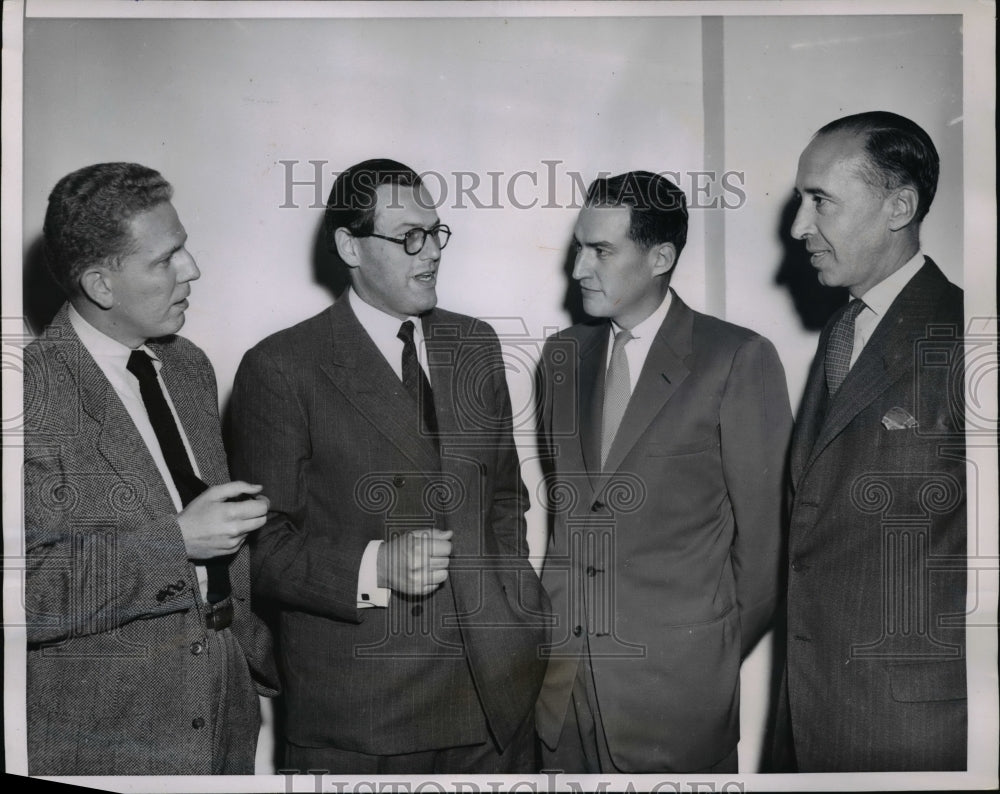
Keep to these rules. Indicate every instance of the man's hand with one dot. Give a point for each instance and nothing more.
(415, 563)
(213, 526)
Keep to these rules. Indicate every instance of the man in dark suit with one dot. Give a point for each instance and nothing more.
(395, 550)
(876, 586)
(143, 654)
(668, 430)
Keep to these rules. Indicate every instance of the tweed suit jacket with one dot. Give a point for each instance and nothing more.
(877, 548)
(114, 611)
(324, 423)
(667, 561)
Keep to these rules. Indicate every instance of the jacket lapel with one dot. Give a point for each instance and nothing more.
(811, 412)
(444, 347)
(887, 357)
(197, 413)
(593, 355)
(356, 367)
(118, 441)
(662, 374)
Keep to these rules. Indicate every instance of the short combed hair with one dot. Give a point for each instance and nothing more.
(899, 153)
(86, 222)
(352, 199)
(658, 207)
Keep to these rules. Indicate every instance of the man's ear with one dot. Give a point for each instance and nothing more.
(903, 207)
(96, 287)
(664, 258)
(347, 247)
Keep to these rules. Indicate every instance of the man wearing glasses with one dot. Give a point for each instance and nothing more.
(395, 548)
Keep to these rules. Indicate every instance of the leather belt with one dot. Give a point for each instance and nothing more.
(220, 616)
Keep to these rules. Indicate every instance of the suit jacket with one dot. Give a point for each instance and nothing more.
(668, 560)
(324, 423)
(114, 612)
(876, 591)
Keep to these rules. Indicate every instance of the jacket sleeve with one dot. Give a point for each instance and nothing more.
(294, 560)
(755, 428)
(510, 498)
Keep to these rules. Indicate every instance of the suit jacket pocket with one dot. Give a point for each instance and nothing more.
(656, 449)
(922, 682)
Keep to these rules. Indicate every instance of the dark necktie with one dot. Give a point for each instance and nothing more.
(617, 391)
(416, 382)
(188, 484)
(840, 346)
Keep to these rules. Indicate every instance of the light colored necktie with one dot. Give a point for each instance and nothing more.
(617, 390)
(840, 346)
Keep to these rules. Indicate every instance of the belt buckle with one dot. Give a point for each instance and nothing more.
(220, 616)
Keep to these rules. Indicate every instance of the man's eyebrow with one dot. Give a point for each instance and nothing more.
(414, 224)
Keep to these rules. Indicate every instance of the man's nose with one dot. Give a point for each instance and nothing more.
(431, 251)
(187, 268)
(802, 223)
(581, 265)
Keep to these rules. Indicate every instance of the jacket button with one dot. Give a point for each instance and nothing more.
(577, 631)
(417, 611)
(802, 638)
(197, 723)
(197, 648)
(799, 566)
(398, 481)
(591, 570)
(597, 506)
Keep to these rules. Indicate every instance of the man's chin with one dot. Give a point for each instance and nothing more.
(595, 308)
(425, 304)
(171, 327)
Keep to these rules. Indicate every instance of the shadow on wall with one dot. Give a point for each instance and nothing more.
(573, 299)
(814, 303)
(41, 296)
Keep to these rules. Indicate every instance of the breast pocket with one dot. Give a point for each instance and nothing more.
(684, 446)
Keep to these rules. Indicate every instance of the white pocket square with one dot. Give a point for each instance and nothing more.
(898, 419)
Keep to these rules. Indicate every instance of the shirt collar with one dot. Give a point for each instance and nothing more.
(100, 345)
(648, 327)
(379, 325)
(880, 297)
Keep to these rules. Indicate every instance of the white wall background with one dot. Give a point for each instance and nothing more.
(217, 104)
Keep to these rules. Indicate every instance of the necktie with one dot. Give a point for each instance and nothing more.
(840, 346)
(617, 390)
(185, 480)
(416, 382)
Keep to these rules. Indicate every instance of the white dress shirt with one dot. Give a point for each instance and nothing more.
(112, 357)
(878, 300)
(383, 329)
(638, 347)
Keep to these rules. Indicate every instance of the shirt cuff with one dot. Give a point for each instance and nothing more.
(369, 593)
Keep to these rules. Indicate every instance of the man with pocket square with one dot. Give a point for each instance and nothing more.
(875, 674)
(668, 433)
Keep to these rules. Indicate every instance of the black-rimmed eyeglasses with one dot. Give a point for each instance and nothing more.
(414, 240)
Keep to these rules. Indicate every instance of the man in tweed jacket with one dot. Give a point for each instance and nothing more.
(142, 658)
